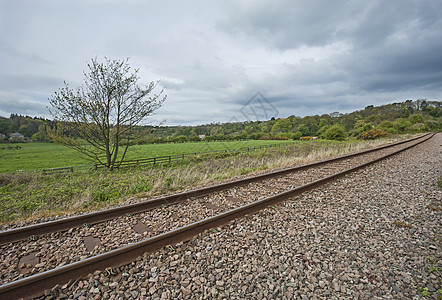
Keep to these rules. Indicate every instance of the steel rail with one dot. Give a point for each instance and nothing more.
(35, 285)
(25, 232)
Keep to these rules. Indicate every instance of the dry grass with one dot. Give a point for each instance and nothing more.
(25, 197)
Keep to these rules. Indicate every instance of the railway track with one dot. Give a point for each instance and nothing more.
(122, 234)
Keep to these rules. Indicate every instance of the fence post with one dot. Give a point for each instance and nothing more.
(170, 159)
(154, 160)
(72, 169)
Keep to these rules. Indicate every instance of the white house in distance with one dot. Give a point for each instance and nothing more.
(16, 137)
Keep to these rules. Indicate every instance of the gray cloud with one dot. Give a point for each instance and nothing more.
(306, 58)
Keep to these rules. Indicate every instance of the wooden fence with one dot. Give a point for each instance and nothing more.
(58, 170)
(150, 161)
(174, 158)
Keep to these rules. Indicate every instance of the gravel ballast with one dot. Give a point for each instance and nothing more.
(22, 259)
(375, 234)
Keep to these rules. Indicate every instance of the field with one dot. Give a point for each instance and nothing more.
(36, 156)
(34, 195)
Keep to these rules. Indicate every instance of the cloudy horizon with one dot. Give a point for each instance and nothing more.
(305, 58)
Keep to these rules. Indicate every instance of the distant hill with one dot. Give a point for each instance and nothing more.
(402, 117)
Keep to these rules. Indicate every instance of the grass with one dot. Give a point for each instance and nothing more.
(33, 195)
(37, 156)
(33, 156)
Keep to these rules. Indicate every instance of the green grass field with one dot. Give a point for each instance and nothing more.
(34, 195)
(36, 156)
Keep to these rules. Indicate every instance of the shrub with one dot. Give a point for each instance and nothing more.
(297, 135)
(372, 134)
(335, 132)
(388, 126)
(433, 125)
(416, 118)
(322, 130)
(285, 135)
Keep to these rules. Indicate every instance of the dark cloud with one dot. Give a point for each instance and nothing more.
(309, 57)
(29, 82)
(24, 104)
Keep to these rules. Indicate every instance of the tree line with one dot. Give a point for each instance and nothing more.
(402, 117)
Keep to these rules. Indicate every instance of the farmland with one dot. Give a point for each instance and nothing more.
(33, 195)
(35, 156)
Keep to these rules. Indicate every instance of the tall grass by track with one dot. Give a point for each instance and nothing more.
(33, 196)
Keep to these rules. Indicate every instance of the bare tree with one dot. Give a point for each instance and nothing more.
(98, 118)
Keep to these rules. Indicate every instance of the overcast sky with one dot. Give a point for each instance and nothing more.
(304, 57)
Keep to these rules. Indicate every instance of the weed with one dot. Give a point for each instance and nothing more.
(432, 265)
(403, 224)
(434, 208)
(425, 292)
(418, 217)
(139, 188)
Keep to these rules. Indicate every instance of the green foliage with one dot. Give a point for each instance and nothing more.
(297, 135)
(375, 119)
(433, 125)
(416, 118)
(402, 125)
(433, 266)
(303, 129)
(359, 127)
(282, 125)
(388, 126)
(372, 134)
(335, 132)
(322, 130)
(323, 122)
(22, 124)
(424, 292)
(286, 135)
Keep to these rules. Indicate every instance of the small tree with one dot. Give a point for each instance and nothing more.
(282, 125)
(98, 119)
(335, 132)
(303, 129)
